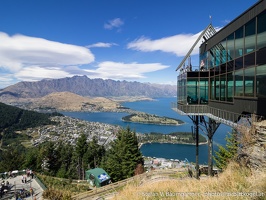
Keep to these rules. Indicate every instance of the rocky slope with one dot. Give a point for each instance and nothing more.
(253, 151)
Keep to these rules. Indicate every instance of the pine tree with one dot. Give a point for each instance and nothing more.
(65, 160)
(49, 158)
(94, 154)
(225, 154)
(80, 150)
(124, 156)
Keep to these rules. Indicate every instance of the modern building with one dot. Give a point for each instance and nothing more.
(230, 83)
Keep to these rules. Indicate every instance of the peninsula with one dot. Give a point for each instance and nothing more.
(151, 119)
(174, 138)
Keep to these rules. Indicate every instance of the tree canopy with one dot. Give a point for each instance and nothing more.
(124, 156)
(227, 153)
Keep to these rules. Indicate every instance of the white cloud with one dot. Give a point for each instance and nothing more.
(36, 73)
(177, 44)
(119, 70)
(101, 44)
(19, 51)
(114, 23)
(24, 58)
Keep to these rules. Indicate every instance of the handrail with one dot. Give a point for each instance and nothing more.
(222, 116)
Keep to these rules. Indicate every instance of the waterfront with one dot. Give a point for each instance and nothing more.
(160, 107)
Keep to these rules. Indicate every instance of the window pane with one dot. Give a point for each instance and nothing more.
(211, 59)
(223, 87)
(239, 42)
(212, 88)
(250, 39)
(249, 60)
(230, 66)
(217, 57)
(192, 91)
(230, 87)
(217, 88)
(239, 63)
(203, 90)
(230, 47)
(239, 83)
(261, 58)
(249, 81)
(261, 30)
(222, 47)
(261, 81)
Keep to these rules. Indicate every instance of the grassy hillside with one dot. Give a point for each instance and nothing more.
(234, 183)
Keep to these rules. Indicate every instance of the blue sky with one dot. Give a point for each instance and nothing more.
(133, 40)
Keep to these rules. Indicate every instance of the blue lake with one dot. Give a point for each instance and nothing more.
(161, 107)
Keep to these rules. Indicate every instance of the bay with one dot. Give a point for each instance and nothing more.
(161, 107)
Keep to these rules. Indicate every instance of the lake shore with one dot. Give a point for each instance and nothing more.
(200, 143)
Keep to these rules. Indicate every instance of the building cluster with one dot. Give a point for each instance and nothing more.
(163, 163)
(69, 129)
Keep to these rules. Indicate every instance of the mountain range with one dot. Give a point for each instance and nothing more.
(84, 86)
(80, 93)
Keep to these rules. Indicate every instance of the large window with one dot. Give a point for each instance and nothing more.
(230, 87)
(203, 90)
(261, 30)
(181, 87)
(249, 60)
(222, 46)
(217, 88)
(261, 81)
(212, 92)
(249, 75)
(223, 87)
(250, 39)
(239, 42)
(192, 90)
(230, 47)
(239, 83)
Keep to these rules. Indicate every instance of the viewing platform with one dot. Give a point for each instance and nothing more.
(231, 119)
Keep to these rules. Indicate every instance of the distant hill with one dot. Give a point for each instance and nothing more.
(13, 119)
(84, 86)
(68, 101)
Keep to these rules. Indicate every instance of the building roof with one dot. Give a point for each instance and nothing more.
(99, 173)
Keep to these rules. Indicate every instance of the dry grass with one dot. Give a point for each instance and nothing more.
(233, 183)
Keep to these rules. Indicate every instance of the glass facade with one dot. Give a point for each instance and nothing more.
(235, 67)
(238, 63)
(193, 87)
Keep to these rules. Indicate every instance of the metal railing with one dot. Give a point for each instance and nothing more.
(222, 116)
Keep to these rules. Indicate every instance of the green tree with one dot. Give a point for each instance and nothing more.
(227, 153)
(49, 158)
(124, 156)
(65, 159)
(11, 158)
(94, 154)
(80, 150)
(31, 158)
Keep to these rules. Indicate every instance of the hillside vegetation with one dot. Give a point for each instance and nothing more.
(13, 119)
(151, 119)
(177, 137)
(234, 183)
